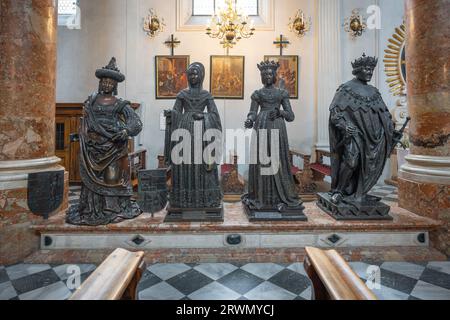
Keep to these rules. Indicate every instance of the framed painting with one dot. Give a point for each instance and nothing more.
(287, 74)
(171, 76)
(227, 77)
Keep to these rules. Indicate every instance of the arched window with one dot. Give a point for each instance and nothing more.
(69, 14)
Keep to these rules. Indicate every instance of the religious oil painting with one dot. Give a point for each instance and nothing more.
(227, 77)
(287, 74)
(170, 76)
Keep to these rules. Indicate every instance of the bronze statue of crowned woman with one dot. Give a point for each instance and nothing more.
(107, 123)
(362, 138)
(272, 194)
(192, 152)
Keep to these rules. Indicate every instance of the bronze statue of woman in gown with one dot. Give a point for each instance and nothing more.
(195, 193)
(106, 125)
(362, 138)
(271, 196)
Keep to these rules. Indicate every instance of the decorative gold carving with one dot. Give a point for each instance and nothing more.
(394, 61)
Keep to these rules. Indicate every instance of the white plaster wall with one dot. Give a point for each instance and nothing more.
(114, 28)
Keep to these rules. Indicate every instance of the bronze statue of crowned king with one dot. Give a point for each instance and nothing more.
(362, 138)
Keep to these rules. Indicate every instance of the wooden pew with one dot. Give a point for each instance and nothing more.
(115, 279)
(320, 169)
(137, 162)
(303, 177)
(332, 278)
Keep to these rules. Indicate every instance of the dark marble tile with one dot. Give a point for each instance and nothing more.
(397, 281)
(291, 281)
(437, 278)
(35, 281)
(3, 276)
(148, 280)
(189, 281)
(240, 281)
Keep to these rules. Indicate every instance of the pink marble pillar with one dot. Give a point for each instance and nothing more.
(425, 179)
(27, 116)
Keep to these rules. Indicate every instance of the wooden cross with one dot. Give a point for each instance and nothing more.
(281, 43)
(172, 44)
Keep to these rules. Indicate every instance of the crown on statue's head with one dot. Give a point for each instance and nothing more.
(365, 61)
(269, 65)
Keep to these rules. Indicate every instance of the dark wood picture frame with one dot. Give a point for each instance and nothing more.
(217, 78)
(178, 84)
(292, 88)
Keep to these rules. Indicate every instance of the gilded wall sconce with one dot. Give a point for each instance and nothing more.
(153, 24)
(355, 25)
(299, 24)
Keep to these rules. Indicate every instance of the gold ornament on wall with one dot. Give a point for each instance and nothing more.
(299, 24)
(355, 25)
(153, 24)
(394, 61)
(230, 26)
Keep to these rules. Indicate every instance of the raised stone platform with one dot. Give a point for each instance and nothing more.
(238, 239)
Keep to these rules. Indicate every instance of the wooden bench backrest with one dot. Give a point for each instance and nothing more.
(110, 280)
(335, 275)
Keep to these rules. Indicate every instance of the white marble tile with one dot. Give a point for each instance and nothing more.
(360, 269)
(214, 291)
(386, 293)
(161, 291)
(167, 271)
(22, 270)
(263, 270)
(62, 270)
(215, 271)
(307, 294)
(269, 291)
(427, 291)
(404, 268)
(441, 266)
(7, 291)
(298, 267)
(56, 291)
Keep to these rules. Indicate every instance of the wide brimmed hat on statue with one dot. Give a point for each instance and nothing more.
(111, 71)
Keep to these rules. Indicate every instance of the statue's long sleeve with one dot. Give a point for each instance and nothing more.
(287, 112)
(133, 124)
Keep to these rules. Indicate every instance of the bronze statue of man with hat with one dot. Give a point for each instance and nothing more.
(107, 124)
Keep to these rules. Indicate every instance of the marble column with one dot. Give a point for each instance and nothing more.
(27, 116)
(329, 64)
(424, 181)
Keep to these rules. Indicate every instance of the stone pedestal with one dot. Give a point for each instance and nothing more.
(425, 179)
(27, 117)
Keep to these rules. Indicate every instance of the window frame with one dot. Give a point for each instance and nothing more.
(186, 22)
(235, 3)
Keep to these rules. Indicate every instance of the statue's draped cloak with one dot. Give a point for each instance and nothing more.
(102, 202)
(193, 185)
(270, 191)
(373, 143)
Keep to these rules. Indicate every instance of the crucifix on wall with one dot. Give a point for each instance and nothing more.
(172, 43)
(282, 42)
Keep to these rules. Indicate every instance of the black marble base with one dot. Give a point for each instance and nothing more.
(194, 215)
(272, 214)
(367, 210)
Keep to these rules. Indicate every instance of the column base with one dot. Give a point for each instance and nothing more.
(424, 188)
(17, 239)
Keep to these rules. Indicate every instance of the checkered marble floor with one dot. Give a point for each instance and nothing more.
(399, 281)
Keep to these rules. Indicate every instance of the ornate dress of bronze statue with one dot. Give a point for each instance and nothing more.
(195, 193)
(107, 123)
(362, 137)
(271, 196)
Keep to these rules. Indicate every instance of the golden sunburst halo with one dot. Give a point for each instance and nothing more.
(394, 61)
